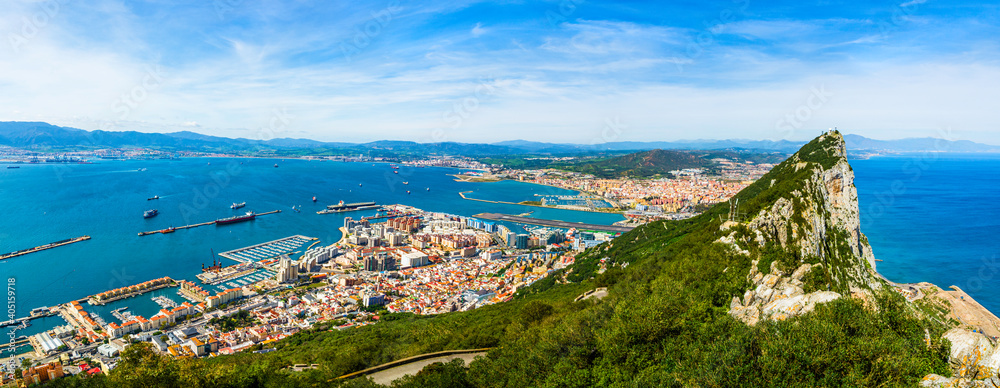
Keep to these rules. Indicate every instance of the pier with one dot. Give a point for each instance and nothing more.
(175, 228)
(44, 247)
(553, 223)
(267, 250)
(18, 321)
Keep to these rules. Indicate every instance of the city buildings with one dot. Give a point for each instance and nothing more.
(287, 271)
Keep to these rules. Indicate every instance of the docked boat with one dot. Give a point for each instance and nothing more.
(150, 213)
(234, 219)
(40, 310)
(153, 197)
(13, 166)
(168, 230)
(238, 205)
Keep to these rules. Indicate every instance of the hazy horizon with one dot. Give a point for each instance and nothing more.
(483, 72)
(683, 140)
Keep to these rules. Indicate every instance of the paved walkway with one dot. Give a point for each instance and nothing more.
(387, 376)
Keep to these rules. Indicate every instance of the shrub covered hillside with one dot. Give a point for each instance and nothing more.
(678, 314)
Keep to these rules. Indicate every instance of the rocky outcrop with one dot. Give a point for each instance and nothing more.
(975, 361)
(820, 220)
(777, 296)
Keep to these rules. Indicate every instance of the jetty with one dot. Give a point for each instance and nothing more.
(553, 223)
(175, 228)
(19, 321)
(267, 250)
(44, 247)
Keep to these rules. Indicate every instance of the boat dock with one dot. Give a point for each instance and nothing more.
(552, 223)
(164, 302)
(268, 250)
(44, 247)
(18, 321)
(172, 229)
(228, 273)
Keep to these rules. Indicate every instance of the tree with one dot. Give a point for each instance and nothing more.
(140, 366)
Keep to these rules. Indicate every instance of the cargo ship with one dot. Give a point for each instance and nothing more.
(234, 219)
(150, 213)
(238, 205)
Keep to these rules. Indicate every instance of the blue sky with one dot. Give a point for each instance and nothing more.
(483, 71)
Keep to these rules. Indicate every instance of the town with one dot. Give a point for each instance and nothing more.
(402, 260)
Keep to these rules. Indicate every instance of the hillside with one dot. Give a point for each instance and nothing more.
(640, 164)
(780, 292)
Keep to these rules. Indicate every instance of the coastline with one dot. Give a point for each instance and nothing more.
(462, 194)
(343, 236)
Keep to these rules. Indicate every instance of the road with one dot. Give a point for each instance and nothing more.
(387, 376)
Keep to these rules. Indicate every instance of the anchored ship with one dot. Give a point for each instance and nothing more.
(238, 205)
(150, 213)
(234, 219)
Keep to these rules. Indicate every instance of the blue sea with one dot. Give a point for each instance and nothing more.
(40, 204)
(929, 217)
(934, 217)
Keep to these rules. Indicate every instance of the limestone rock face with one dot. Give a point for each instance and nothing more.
(820, 220)
(973, 353)
(828, 204)
(777, 296)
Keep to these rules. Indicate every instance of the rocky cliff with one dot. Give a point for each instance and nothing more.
(807, 248)
(806, 239)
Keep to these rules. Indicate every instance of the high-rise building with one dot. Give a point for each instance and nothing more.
(395, 239)
(287, 271)
(521, 241)
(380, 263)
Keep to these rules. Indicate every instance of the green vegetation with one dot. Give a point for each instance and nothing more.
(665, 323)
(242, 318)
(643, 164)
(639, 165)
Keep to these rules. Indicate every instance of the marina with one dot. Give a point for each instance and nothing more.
(44, 247)
(216, 222)
(214, 277)
(268, 250)
(164, 302)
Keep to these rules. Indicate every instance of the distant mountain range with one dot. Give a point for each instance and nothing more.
(44, 136)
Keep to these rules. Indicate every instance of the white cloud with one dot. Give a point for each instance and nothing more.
(551, 84)
(478, 30)
(912, 3)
